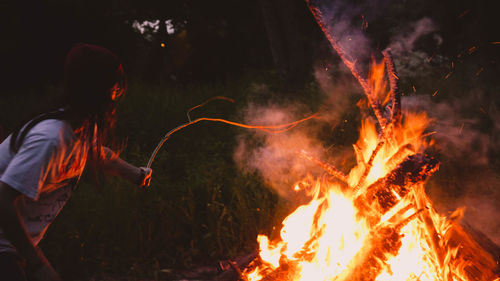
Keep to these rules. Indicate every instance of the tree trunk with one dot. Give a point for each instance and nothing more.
(283, 21)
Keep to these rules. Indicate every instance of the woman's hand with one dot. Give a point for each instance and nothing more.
(114, 165)
(145, 177)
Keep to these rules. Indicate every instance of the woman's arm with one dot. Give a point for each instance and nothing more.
(13, 227)
(116, 166)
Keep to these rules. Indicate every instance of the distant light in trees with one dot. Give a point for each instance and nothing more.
(146, 26)
(170, 26)
(149, 28)
(162, 45)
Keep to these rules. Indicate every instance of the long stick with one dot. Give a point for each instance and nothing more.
(267, 128)
(350, 63)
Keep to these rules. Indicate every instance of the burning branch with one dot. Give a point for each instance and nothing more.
(432, 233)
(369, 165)
(400, 155)
(350, 63)
(393, 82)
(330, 169)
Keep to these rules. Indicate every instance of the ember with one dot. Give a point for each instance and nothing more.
(376, 222)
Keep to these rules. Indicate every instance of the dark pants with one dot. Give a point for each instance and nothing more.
(11, 268)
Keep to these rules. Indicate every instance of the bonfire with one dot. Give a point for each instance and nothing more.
(375, 222)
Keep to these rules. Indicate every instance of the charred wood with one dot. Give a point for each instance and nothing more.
(482, 253)
(393, 82)
(386, 192)
(232, 269)
(283, 273)
(414, 169)
(370, 260)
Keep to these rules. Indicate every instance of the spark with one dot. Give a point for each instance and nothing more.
(472, 50)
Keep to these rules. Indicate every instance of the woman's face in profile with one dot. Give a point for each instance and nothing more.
(117, 92)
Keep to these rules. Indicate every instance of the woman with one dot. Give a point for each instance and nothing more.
(41, 161)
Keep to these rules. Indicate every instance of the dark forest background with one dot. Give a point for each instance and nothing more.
(200, 207)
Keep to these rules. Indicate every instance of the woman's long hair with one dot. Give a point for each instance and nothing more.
(93, 82)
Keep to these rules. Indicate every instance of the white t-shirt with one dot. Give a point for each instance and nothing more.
(45, 170)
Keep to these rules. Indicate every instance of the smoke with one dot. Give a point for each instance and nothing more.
(338, 95)
(467, 130)
(351, 39)
(413, 44)
(467, 145)
(412, 60)
(404, 41)
(277, 156)
(457, 136)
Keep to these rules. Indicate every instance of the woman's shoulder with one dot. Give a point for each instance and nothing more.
(53, 130)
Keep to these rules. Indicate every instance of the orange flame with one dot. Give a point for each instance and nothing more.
(338, 235)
